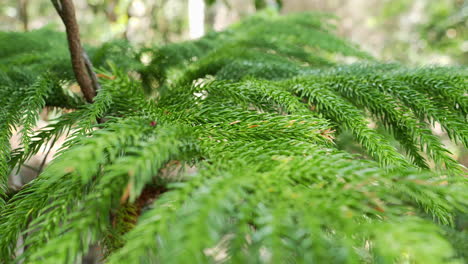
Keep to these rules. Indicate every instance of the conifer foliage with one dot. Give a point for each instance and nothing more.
(237, 132)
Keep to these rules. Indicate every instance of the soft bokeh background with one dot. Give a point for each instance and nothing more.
(411, 31)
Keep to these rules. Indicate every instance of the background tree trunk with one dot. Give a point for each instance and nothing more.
(23, 14)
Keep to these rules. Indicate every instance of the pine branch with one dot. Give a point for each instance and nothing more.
(105, 194)
(254, 110)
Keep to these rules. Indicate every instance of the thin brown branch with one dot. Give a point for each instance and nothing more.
(82, 67)
(89, 68)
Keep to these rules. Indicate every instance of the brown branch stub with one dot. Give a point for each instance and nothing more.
(82, 67)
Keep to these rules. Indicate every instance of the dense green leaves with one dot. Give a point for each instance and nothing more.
(240, 128)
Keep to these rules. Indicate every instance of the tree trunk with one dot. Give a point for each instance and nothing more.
(23, 14)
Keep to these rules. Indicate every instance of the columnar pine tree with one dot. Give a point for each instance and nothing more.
(225, 150)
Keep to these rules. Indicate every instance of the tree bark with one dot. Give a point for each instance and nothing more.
(82, 66)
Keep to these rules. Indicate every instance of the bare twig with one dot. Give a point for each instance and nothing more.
(89, 68)
(82, 67)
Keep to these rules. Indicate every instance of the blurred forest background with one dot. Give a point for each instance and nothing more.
(410, 31)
